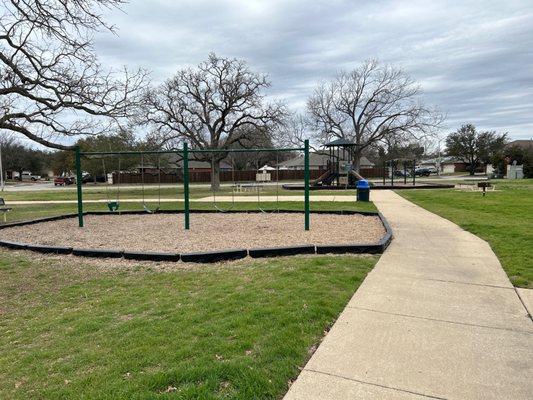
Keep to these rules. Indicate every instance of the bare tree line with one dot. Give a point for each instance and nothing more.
(53, 88)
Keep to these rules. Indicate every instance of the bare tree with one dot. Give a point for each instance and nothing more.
(209, 107)
(51, 83)
(367, 105)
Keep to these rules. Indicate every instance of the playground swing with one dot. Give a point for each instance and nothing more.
(115, 205)
(277, 191)
(145, 206)
(215, 205)
(112, 205)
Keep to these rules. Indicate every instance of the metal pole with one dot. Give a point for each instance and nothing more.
(414, 169)
(1, 172)
(384, 172)
(405, 173)
(78, 186)
(393, 166)
(306, 183)
(186, 184)
(338, 166)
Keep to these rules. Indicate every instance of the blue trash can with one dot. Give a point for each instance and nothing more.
(363, 190)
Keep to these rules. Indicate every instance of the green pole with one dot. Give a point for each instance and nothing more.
(78, 187)
(186, 183)
(306, 179)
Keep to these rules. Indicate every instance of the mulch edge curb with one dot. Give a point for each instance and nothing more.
(260, 252)
(214, 256)
(41, 248)
(151, 256)
(204, 257)
(98, 253)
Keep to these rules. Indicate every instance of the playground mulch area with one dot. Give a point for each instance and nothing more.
(208, 231)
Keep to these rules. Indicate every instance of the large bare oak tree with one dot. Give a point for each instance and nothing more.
(368, 104)
(51, 84)
(212, 106)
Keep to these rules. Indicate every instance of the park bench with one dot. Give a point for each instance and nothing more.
(3, 208)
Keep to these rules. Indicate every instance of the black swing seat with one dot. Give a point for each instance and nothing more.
(3, 207)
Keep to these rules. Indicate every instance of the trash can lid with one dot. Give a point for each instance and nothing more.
(363, 184)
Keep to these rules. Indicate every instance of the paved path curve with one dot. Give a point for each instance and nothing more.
(437, 318)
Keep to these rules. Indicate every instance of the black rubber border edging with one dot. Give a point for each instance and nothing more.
(281, 251)
(13, 245)
(372, 248)
(349, 249)
(214, 256)
(98, 253)
(151, 256)
(41, 248)
(205, 257)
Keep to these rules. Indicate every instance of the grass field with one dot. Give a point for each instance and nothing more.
(239, 330)
(73, 329)
(152, 192)
(504, 218)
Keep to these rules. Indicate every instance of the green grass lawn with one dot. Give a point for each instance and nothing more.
(74, 329)
(152, 192)
(238, 330)
(24, 212)
(504, 218)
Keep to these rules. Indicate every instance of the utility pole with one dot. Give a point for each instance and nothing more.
(438, 159)
(1, 171)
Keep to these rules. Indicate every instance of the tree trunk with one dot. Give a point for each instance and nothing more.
(472, 168)
(215, 175)
(473, 164)
(357, 161)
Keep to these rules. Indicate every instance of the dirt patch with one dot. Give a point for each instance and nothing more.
(165, 233)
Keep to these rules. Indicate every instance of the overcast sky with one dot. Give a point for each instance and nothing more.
(474, 59)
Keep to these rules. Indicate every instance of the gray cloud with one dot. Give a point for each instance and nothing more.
(474, 59)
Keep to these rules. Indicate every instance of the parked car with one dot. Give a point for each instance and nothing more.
(64, 181)
(28, 176)
(90, 179)
(423, 171)
(401, 173)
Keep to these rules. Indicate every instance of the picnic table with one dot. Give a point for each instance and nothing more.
(245, 187)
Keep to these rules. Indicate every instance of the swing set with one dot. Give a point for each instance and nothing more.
(235, 185)
(113, 203)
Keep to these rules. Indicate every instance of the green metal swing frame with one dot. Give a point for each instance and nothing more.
(185, 152)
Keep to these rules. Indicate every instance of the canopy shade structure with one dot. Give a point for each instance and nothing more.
(340, 143)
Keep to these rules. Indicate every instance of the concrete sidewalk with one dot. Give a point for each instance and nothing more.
(437, 318)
